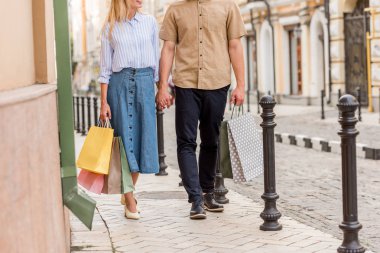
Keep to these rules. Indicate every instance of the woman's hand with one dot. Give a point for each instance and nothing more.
(163, 99)
(105, 111)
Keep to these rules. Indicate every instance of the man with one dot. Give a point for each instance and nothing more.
(204, 36)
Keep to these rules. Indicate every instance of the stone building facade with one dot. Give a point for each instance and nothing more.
(318, 46)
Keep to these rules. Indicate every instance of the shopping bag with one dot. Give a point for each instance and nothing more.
(112, 181)
(91, 181)
(119, 179)
(224, 152)
(96, 151)
(245, 148)
(127, 183)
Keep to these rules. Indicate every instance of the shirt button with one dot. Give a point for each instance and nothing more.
(200, 68)
(200, 28)
(201, 55)
(200, 14)
(200, 42)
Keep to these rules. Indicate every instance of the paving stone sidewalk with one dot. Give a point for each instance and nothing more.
(306, 120)
(166, 227)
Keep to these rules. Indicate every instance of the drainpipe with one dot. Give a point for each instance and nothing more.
(327, 15)
(79, 203)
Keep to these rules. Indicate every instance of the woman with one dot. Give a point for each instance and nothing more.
(128, 70)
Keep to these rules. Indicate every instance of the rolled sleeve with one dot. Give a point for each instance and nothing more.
(169, 27)
(106, 54)
(235, 23)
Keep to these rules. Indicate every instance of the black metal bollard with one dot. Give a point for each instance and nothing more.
(88, 113)
(347, 106)
(270, 215)
(359, 98)
(161, 149)
(95, 110)
(74, 112)
(339, 94)
(78, 114)
(83, 117)
(258, 101)
(322, 104)
(220, 190)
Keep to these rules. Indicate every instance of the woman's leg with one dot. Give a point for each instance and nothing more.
(130, 201)
(135, 176)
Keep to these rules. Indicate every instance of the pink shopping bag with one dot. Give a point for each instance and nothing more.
(91, 181)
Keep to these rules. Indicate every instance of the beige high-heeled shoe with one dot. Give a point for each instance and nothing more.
(130, 215)
(123, 202)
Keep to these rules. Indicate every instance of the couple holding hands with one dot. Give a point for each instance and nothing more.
(203, 36)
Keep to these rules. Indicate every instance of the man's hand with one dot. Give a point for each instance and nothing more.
(237, 96)
(163, 99)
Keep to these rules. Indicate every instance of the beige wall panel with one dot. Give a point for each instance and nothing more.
(349, 5)
(16, 44)
(337, 50)
(30, 183)
(335, 8)
(337, 72)
(375, 50)
(337, 29)
(278, 29)
(305, 59)
(43, 23)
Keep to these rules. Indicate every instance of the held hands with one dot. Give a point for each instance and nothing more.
(105, 111)
(164, 99)
(237, 96)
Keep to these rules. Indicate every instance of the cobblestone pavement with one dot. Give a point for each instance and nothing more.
(166, 227)
(308, 181)
(307, 121)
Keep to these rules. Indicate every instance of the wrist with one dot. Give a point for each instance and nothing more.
(163, 86)
(240, 86)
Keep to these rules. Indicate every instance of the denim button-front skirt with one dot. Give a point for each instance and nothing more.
(131, 97)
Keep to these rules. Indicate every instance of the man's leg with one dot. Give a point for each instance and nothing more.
(186, 118)
(212, 111)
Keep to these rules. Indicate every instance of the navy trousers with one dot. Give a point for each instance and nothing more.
(205, 107)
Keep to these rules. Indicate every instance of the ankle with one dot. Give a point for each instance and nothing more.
(132, 207)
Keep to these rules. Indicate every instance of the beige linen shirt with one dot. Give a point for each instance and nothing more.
(201, 30)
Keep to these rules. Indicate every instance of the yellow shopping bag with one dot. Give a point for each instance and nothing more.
(96, 151)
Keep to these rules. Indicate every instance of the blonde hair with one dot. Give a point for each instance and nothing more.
(118, 12)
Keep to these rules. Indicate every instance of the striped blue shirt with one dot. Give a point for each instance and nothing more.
(134, 44)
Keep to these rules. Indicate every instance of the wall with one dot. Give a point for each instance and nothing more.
(32, 213)
(16, 45)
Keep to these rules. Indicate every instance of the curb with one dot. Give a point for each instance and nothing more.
(321, 144)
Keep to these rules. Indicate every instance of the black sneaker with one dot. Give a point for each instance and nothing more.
(211, 204)
(197, 211)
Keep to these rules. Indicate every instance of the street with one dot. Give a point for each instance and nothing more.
(309, 185)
